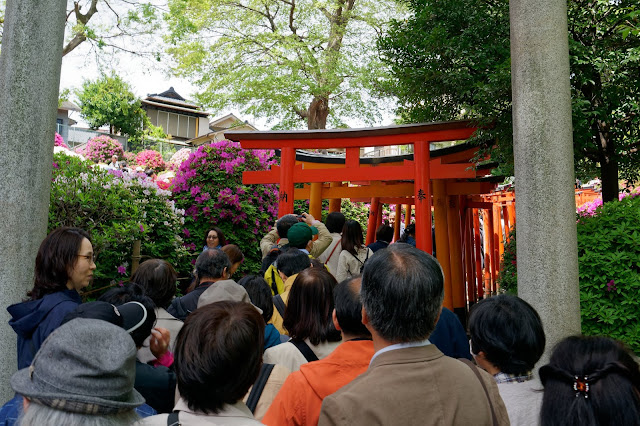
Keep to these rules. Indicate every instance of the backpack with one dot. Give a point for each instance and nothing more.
(270, 259)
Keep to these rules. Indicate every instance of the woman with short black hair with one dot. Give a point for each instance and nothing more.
(308, 321)
(590, 381)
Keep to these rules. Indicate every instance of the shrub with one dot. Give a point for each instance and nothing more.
(508, 276)
(609, 262)
(609, 259)
(116, 209)
(208, 185)
(59, 141)
(150, 159)
(178, 158)
(100, 149)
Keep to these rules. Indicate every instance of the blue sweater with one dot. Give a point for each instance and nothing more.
(34, 320)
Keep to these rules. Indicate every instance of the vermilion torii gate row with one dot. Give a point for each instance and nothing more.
(421, 170)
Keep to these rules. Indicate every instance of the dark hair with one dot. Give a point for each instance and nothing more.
(349, 307)
(384, 233)
(133, 292)
(315, 263)
(509, 332)
(352, 237)
(218, 354)
(284, 223)
(259, 293)
(335, 222)
(222, 241)
(211, 263)
(612, 376)
(158, 279)
(409, 230)
(234, 253)
(56, 258)
(402, 293)
(310, 307)
(292, 261)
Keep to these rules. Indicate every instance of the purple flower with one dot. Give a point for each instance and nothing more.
(122, 269)
(186, 232)
(611, 286)
(55, 165)
(141, 228)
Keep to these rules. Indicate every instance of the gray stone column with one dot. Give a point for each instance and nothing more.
(543, 152)
(29, 78)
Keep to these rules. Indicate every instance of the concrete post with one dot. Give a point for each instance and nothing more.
(29, 79)
(543, 152)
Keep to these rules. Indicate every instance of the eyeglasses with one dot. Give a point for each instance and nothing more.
(212, 237)
(89, 257)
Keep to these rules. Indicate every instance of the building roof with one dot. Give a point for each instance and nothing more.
(171, 98)
(68, 106)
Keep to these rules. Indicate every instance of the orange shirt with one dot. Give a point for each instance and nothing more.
(300, 398)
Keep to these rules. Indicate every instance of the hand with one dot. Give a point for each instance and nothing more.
(159, 343)
(308, 219)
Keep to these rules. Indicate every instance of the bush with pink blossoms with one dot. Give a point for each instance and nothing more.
(150, 159)
(59, 141)
(100, 149)
(208, 186)
(178, 158)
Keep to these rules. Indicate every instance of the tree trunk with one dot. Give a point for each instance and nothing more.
(318, 112)
(609, 176)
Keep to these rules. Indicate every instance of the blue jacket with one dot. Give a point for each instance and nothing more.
(34, 320)
(271, 336)
(449, 336)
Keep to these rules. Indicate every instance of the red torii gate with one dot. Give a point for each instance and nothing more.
(421, 170)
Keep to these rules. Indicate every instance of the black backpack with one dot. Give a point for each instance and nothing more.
(361, 262)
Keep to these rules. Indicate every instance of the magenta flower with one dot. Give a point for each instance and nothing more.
(611, 286)
(141, 228)
(122, 269)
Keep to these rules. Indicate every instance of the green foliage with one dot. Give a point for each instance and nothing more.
(609, 262)
(459, 67)
(110, 101)
(116, 210)
(274, 58)
(508, 276)
(609, 259)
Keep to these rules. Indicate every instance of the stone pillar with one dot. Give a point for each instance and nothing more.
(29, 79)
(543, 153)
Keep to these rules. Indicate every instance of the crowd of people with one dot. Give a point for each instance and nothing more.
(328, 332)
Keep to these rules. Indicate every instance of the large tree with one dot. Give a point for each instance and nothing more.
(451, 59)
(295, 61)
(109, 24)
(110, 101)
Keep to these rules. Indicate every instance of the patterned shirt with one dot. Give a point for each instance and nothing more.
(512, 378)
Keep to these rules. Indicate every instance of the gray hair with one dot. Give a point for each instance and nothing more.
(402, 293)
(41, 415)
(211, 263)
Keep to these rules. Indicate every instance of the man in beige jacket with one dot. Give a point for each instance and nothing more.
(409, 381)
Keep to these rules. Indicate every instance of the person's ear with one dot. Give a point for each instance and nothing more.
(336, 324)
(282, 276)
(365, 317)
(25, 404)
(225, 272)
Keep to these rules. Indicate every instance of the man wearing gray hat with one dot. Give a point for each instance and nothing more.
(83, 374)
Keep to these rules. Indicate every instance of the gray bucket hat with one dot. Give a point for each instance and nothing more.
(85, 366)
(225, 290)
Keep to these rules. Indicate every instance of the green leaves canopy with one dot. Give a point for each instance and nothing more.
(273, 58)
(109, 101)
(451, 58)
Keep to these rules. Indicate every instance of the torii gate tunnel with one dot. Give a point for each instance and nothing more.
(415, 179)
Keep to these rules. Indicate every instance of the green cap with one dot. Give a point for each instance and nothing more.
(300, 234)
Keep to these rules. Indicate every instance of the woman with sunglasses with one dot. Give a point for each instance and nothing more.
(64, 266)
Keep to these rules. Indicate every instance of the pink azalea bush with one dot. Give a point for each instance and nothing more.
(150, 159)
(178, 158)
(59, 141)
(208, 186)
(100, 149)
(590, 208)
